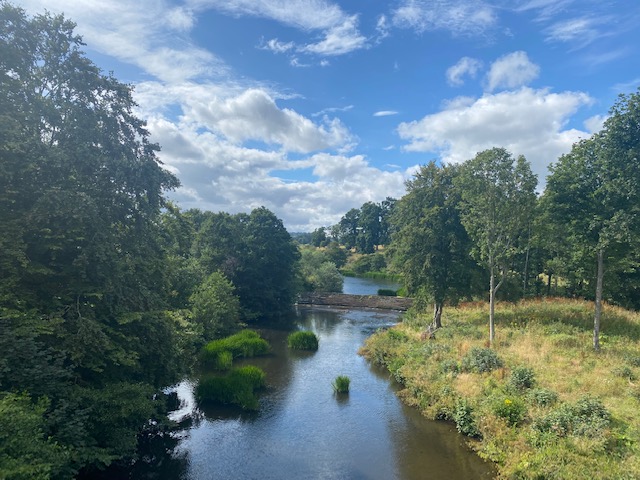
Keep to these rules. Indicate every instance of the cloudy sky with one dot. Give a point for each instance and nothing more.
(313, 107)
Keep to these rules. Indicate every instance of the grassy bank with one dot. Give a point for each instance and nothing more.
(542, 403)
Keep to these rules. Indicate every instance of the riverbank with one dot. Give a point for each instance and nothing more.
(542, 403)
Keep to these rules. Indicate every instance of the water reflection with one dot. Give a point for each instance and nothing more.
(303, 430)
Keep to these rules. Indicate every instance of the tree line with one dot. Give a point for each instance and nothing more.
(462, 230)
(107, 290)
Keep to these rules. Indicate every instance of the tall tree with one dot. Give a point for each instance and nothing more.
(81, 262)
(593, 192)
(498, 198)
(429, 246)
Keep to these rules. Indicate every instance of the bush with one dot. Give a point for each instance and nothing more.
(398, 335)
(481, 360)
(512, 409)
(341, 384)
(385, 292)
(587, 417)
(464, 419)
(542, 397)
(303, 340)
(522, 378)
(237, 388)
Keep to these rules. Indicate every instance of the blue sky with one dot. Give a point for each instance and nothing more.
(313, 107)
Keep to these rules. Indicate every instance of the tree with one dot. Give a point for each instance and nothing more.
(215, 307)
(319, 237)
(369, 228)
(82, 264)
(593, 193)
(497, 200)
(318, 272)
(429, 246)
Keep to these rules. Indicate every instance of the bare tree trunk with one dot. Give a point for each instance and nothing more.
(492, 302)
(437, 315)
(549, 284)
(598, 313)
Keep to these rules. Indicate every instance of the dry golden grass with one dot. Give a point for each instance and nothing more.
(553, 337)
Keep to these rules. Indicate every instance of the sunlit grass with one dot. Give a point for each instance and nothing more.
(552, 338)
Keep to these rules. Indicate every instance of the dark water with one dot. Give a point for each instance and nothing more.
(367, 286)
(305, 431)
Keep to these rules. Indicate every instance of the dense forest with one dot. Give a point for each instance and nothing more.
(108, 290)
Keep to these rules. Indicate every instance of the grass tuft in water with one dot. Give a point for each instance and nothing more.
(341, 384)
(303, 340)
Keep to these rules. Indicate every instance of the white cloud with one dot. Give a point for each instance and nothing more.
(340, 39)
(385, 113)
(526, 121)
(254, 115)
(136, 33)
(465, 66)
(511, 71)
(276, 46)
(596, 123)
(460, 17)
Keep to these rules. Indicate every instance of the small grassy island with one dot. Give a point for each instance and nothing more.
(541, 403)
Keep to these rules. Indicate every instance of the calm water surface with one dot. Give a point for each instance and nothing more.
(305, 431)
(367, 286)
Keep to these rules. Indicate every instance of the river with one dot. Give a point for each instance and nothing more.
(303, 430)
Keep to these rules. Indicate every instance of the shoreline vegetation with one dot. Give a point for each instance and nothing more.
(541, 403)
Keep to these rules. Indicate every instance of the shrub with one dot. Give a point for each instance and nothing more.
(481, 360)
(464, 419)
(587, 417)
(542, 397)
(398, 335)
(386, 292)
(522, 378)
(624, 371)
(341, 384)
(512, 409)
(303, 340)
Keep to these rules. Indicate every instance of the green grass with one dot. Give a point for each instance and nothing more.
(341, 384)
(246, 343)
(303, 340)
(239, 388)
(547, 405)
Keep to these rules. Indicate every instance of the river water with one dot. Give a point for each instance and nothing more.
(303, 430)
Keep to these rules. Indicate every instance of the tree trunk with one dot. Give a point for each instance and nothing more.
(437, 315)
(598, 313)
(549, 284)
(492, 302)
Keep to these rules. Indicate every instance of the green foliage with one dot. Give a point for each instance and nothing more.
(587, 417)
(542, 397)
(522, 378)
(303, 340)
(224, 360)
(318, 272)
(239, 387)
(397, 335)
(246, 343)
(480, 360)
(385, 292)
(215, 307)
(512, 409)
(463, 416)
(25, 451)
(341, 384)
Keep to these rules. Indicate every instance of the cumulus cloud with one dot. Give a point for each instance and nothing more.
(511, 71)
(339, 39)
(466, 17)
(465, 66)
(526, 121)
